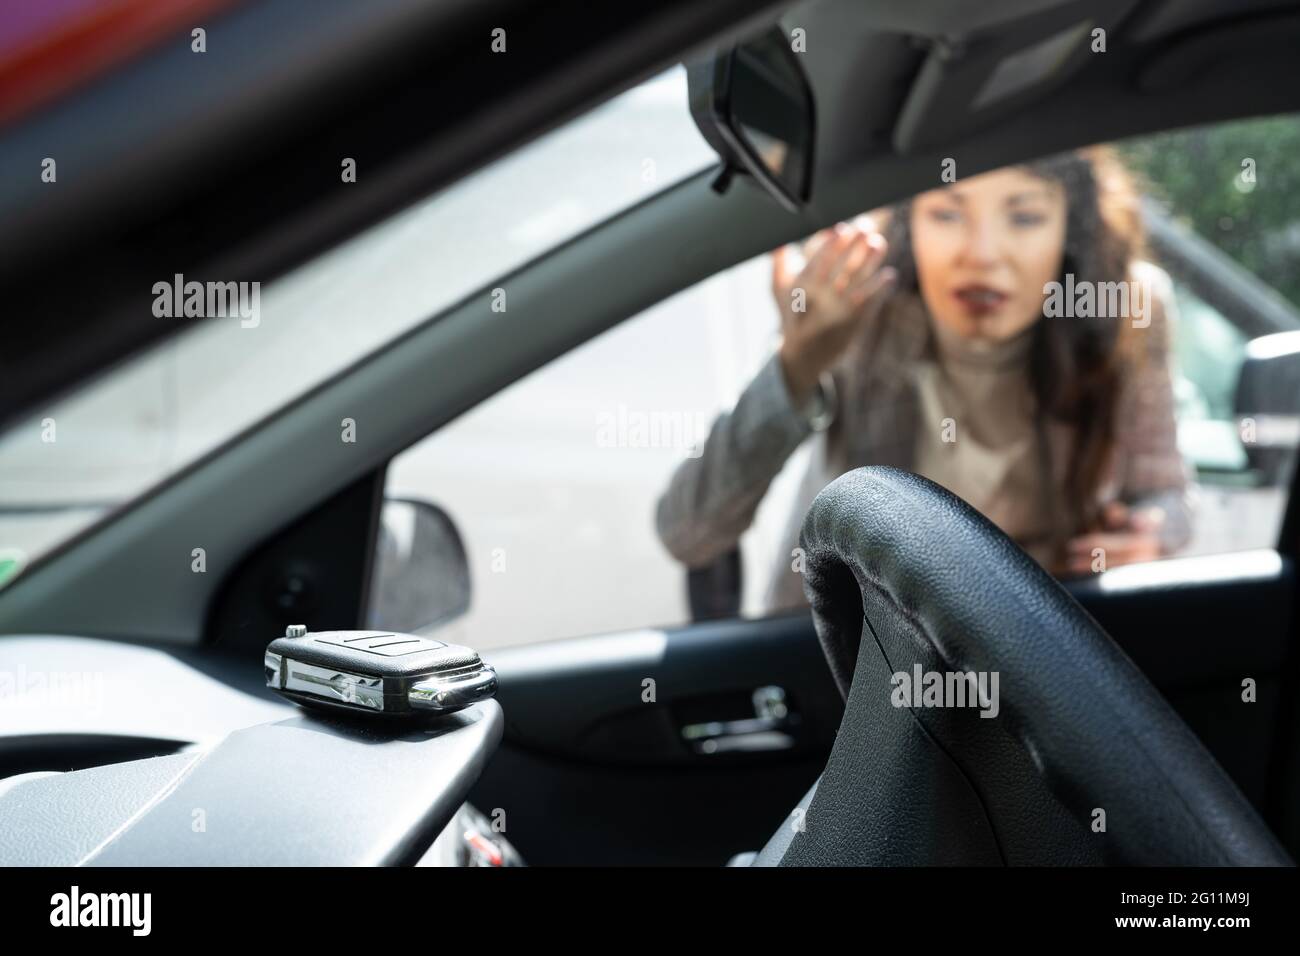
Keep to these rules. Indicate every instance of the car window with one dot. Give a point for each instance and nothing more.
(1233, 255)
(1208, 351)
(109, 442)
(555, 481)
(552, 481)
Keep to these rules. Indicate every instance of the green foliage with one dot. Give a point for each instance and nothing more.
(1203, 174)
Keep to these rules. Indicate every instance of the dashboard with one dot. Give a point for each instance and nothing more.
(114, 753)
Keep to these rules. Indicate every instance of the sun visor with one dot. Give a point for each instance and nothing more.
(968, 81)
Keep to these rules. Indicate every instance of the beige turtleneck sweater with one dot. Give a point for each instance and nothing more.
(977, 435)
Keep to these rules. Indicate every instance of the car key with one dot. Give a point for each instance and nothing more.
(377, 673)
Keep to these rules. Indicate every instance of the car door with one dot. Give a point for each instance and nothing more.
(597, 624)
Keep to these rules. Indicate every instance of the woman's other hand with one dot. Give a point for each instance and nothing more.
(1127, 536)
(823, 304)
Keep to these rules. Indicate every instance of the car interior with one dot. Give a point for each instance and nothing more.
(1122, 691)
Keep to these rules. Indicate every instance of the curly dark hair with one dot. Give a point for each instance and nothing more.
(1077, 365)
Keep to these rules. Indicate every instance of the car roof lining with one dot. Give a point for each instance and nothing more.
(916, 69)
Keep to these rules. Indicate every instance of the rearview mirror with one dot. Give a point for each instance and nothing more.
(1268, 403)
(753, 104)
(421, 575)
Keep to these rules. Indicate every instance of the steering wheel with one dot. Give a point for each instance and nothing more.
(1029, 737)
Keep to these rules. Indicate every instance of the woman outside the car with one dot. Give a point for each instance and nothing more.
(937, 342)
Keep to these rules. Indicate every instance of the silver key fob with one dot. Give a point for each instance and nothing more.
(376, 673)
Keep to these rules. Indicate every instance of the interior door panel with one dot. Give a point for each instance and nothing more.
(583, 753)
(590, 773)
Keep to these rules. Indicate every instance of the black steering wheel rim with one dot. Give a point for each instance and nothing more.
(1083, 762)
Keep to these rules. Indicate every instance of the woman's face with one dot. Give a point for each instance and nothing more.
(984, 249)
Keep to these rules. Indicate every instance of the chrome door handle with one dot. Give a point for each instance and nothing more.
(768, 730)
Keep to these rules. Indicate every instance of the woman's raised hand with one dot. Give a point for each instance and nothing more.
(822, 305)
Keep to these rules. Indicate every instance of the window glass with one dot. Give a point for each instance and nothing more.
(554, 483)
(1233, 252)
(111, 441)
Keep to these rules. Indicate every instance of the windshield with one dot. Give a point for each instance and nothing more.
(67, 465)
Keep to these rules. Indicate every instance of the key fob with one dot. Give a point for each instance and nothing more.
(376, 673)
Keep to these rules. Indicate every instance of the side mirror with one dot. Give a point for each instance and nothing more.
(754, 105)
(1268, 403)
(421, 575)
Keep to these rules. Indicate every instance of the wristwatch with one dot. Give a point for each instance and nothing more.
(819, 410)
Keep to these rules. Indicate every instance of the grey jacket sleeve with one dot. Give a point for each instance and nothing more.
(712, 497)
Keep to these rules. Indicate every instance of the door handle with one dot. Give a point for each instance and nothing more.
(770, 729)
